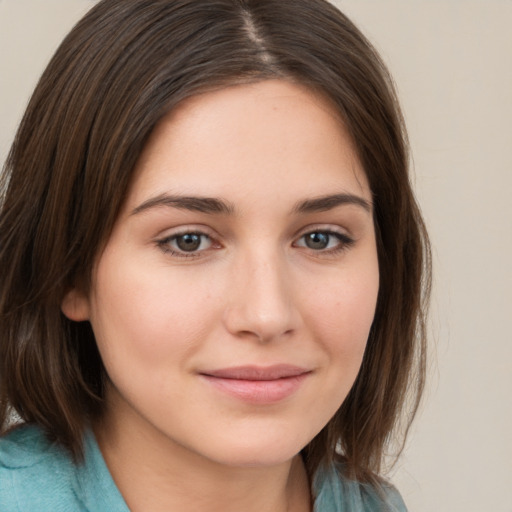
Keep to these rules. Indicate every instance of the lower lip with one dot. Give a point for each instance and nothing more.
(258, 391)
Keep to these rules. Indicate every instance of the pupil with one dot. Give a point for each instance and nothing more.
(188, 242)
(317, 240)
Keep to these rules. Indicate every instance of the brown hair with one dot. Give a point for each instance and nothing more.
(120, 70)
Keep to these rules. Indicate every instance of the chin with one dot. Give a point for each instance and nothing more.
(254, 452)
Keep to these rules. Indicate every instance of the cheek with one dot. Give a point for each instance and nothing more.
(148, 316)
(345, 305)
(341, 314)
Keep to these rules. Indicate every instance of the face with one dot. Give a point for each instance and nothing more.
(232, 303)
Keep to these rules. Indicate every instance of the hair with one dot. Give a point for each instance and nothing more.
(122, 68)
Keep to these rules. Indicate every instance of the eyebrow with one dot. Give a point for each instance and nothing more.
(196, 204)
(213, 205)
(325, 203)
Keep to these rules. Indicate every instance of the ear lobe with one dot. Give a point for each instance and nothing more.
(75, 306)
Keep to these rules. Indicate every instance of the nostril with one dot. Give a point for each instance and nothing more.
(260, 299)
(245, 322)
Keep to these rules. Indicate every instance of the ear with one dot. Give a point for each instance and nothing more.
(75, 305)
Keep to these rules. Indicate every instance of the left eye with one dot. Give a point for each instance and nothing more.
(187, 242)
(323, 240)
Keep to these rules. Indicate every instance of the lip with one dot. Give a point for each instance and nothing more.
(258, 384)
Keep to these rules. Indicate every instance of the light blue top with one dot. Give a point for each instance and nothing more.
(36, 475)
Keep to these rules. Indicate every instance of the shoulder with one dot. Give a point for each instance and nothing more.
(34, 473)
(336, 493)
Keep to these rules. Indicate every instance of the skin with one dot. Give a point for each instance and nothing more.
(254, 291)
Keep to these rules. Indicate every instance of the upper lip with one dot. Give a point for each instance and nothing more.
(274, 372)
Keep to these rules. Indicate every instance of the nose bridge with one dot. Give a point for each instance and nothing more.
(261, 302)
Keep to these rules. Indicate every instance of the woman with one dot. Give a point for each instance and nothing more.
(212, 266)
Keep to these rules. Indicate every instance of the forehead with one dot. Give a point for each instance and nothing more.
(272, 136)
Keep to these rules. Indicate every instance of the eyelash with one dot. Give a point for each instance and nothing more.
(345, 242)
(164, 244)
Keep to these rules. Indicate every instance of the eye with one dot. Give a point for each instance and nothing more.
(186, 244)
(326, 241)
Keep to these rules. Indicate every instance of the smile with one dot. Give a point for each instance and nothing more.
(258, 385)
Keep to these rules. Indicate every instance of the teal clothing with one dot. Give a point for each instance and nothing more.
(37, 476)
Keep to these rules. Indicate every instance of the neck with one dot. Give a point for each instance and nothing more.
(154, 473)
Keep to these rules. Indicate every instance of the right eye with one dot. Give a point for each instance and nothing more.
(185, 244)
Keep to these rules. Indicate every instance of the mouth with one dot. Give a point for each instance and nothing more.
(257, 384)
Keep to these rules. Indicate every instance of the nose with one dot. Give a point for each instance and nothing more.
(261, 303)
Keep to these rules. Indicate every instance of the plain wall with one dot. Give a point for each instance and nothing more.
(452, 61)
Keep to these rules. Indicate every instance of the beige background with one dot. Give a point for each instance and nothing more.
(452, 61)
